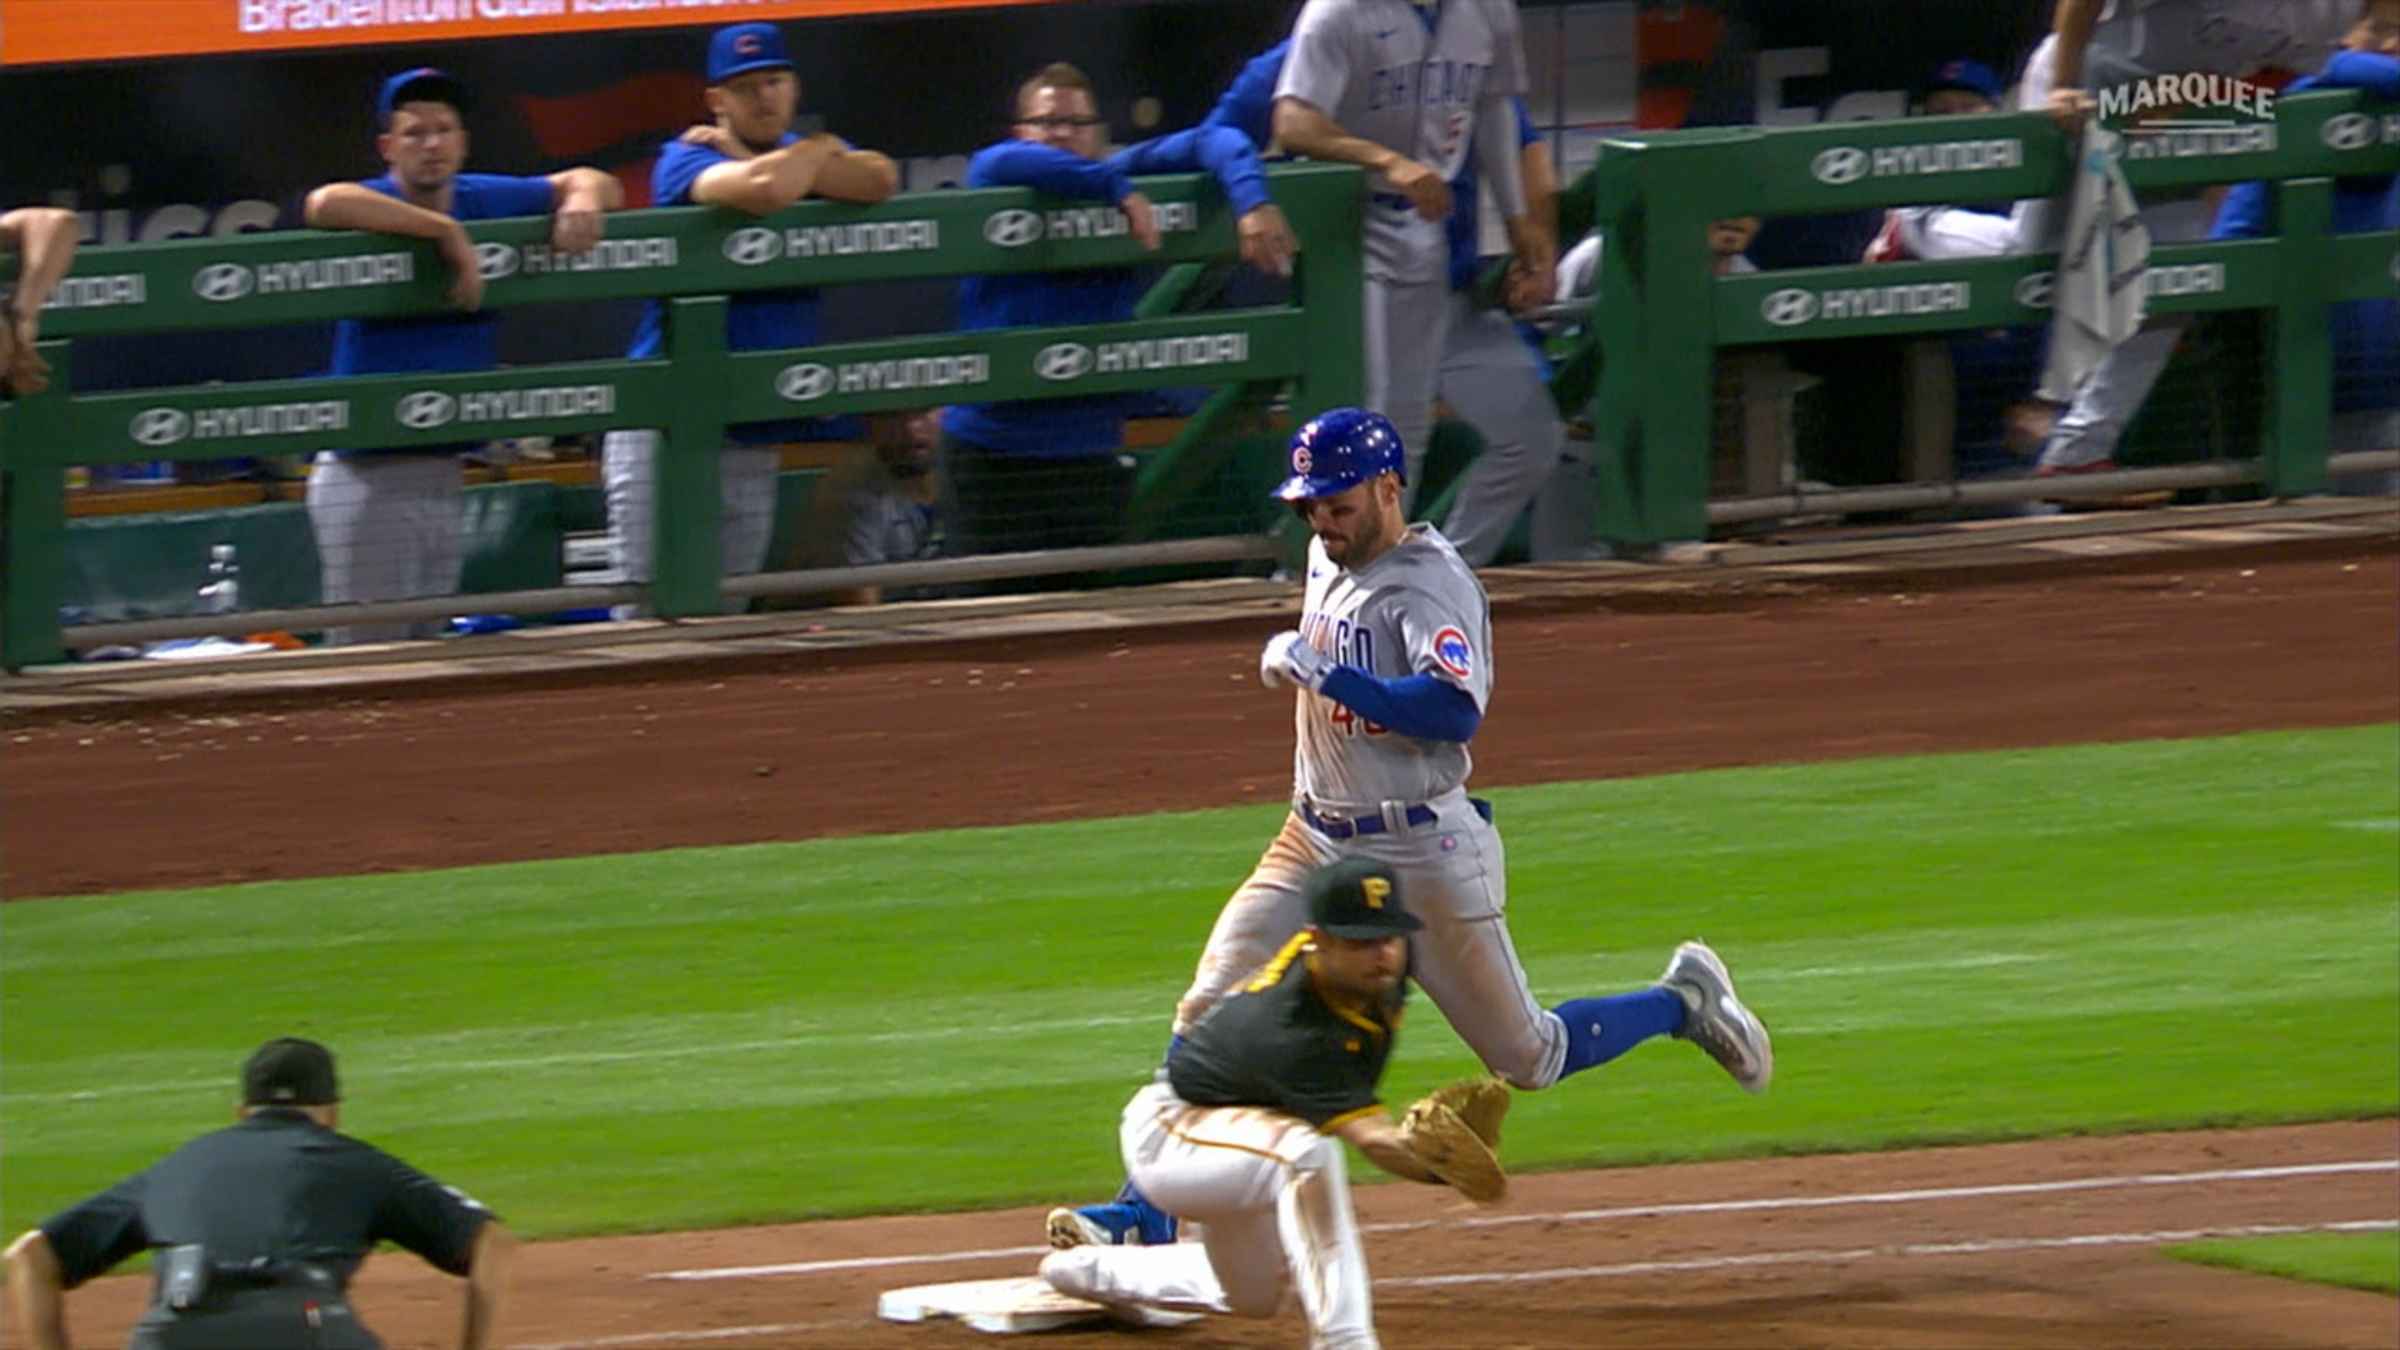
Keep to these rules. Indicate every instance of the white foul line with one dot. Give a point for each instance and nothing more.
(1842, 1255)
(1628, 1212)
(845, 1263)
(1813, 1256)
(691, 1337)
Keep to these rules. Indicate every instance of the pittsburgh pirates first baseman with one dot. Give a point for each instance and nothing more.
(1410, 89)
(749, 160)
(1243, 1130)
(1393, 665)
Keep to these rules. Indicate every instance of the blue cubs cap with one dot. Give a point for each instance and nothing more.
(424, 84)
(745, 47)
(1339, 450)
(1973, 76)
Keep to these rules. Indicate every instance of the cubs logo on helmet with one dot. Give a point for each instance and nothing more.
(1338, 450)
(1454, 653)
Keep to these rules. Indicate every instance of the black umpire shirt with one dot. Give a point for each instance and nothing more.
(1279, 1043)
(276, 1186)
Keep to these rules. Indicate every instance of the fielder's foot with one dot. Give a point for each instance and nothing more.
(1716, 1021)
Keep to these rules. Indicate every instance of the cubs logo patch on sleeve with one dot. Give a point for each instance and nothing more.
(1454, 653)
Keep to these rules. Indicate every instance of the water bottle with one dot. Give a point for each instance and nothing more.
(223, 593)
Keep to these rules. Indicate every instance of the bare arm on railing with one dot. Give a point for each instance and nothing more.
(822, 165)
(581, 196)
(43, 238)
(355, 206)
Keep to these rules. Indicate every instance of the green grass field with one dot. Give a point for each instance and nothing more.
(2369, 1261)
(1949, 948)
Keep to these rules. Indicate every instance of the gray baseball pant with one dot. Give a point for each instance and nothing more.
(388, 526)
(1490, 378)
(1405, 322)
(746, 488)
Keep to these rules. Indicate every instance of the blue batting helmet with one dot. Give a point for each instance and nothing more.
(1339, 450)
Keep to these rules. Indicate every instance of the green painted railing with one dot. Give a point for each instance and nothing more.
(695, 258)
(1661, 315)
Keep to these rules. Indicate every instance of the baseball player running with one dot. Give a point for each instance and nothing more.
(1409, 89)
(1489, 373)
(747, 159)
(1392, 663)
(1243, 1128)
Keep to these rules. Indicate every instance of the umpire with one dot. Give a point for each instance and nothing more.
(257, 1228)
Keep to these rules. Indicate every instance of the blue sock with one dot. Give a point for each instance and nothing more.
(1132, 1209)
(1600, 1029)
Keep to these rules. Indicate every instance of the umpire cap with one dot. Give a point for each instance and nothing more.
(1359, 898)
(1338, 450)
(288, 1071)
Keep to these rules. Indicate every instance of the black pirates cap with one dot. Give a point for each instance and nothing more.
(288, 1071)
(1359, 898)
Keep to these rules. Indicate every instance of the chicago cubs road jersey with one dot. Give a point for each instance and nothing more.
(1280, 1043)
(1411, 79)
(1418, 609)
(2134, 39)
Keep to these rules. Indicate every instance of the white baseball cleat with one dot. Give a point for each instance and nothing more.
(1716, 1021)
(1068, 1230)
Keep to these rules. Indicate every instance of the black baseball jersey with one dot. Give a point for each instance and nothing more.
(276, 1186)
(1278, 1043)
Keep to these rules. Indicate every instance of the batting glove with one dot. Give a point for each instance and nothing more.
(1289, 658)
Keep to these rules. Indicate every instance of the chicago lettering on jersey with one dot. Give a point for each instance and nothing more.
(1351, 644)
(1434, 82)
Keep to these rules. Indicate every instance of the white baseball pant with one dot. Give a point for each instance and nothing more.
(389, 526)
(1489, 377)
(746, 487)
(1272, 1196)
(1455, 877)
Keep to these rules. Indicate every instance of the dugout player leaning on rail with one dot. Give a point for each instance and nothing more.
(1049, 473)
(747, 158)
(256, 1229)
(388, 522)
(43, 240)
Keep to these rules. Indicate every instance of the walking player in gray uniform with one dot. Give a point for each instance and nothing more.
(1410, 89)
(1393, 666)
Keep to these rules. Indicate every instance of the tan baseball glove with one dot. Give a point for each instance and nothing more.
(1481, 1102)
(1450, 1149)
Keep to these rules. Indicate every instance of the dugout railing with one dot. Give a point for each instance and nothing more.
(1659, 318)
(695, 259)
